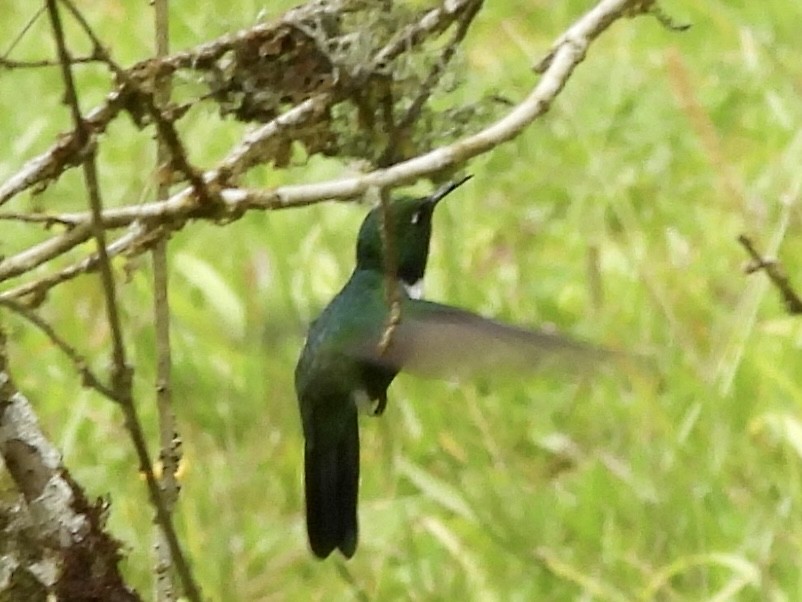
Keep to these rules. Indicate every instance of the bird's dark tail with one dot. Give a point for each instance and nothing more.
(332, 486)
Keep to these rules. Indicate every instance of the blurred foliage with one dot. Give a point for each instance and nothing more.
(679, 485)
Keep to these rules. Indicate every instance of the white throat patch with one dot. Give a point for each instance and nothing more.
(414, 290)
(363, 403)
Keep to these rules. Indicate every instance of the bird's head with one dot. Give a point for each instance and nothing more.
(410, 229)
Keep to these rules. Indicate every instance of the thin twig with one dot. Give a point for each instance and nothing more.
(45, 251)
(90, 176)
(48, 166)
(169, 440)
(731, 352)
(36, 290)
(65, 153)
(88, 378)
(667, 20)
(774, 270)
(240, 159)
(46, 219)
(246, 154)
(164, 126)
(391, 285)
(568, 52)
(388, 157)
(121, 371)
(10, 64)
(23, 31)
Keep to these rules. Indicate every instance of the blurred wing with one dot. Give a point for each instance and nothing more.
(440, 341)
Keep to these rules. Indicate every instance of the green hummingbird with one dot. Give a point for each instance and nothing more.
(352, 354)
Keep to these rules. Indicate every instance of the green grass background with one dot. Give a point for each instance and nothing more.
(678, 485)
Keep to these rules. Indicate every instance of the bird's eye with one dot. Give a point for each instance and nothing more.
(415, 217)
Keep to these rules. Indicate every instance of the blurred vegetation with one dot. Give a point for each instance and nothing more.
(683, 485)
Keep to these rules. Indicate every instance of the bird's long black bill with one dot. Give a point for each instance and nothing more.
(332, 488)
(447, 189)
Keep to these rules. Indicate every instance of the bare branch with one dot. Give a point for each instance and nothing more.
(774, 270)
(121, 372)
(90, 175)
(164, 126)
(36, 290)
(65, 153)
(23, 31)
(169, 440)
(9, 64)
(565, 55)
(45, 251)
(413, 112)
(391, 286)
(88, 378)
(76, 559)
(44, 219)
(137, 82)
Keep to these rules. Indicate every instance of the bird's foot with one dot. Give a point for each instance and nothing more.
(381, 405)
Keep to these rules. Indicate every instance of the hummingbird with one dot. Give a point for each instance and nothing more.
(355, 349)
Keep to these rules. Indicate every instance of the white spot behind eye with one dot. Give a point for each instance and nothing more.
(415, 218)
